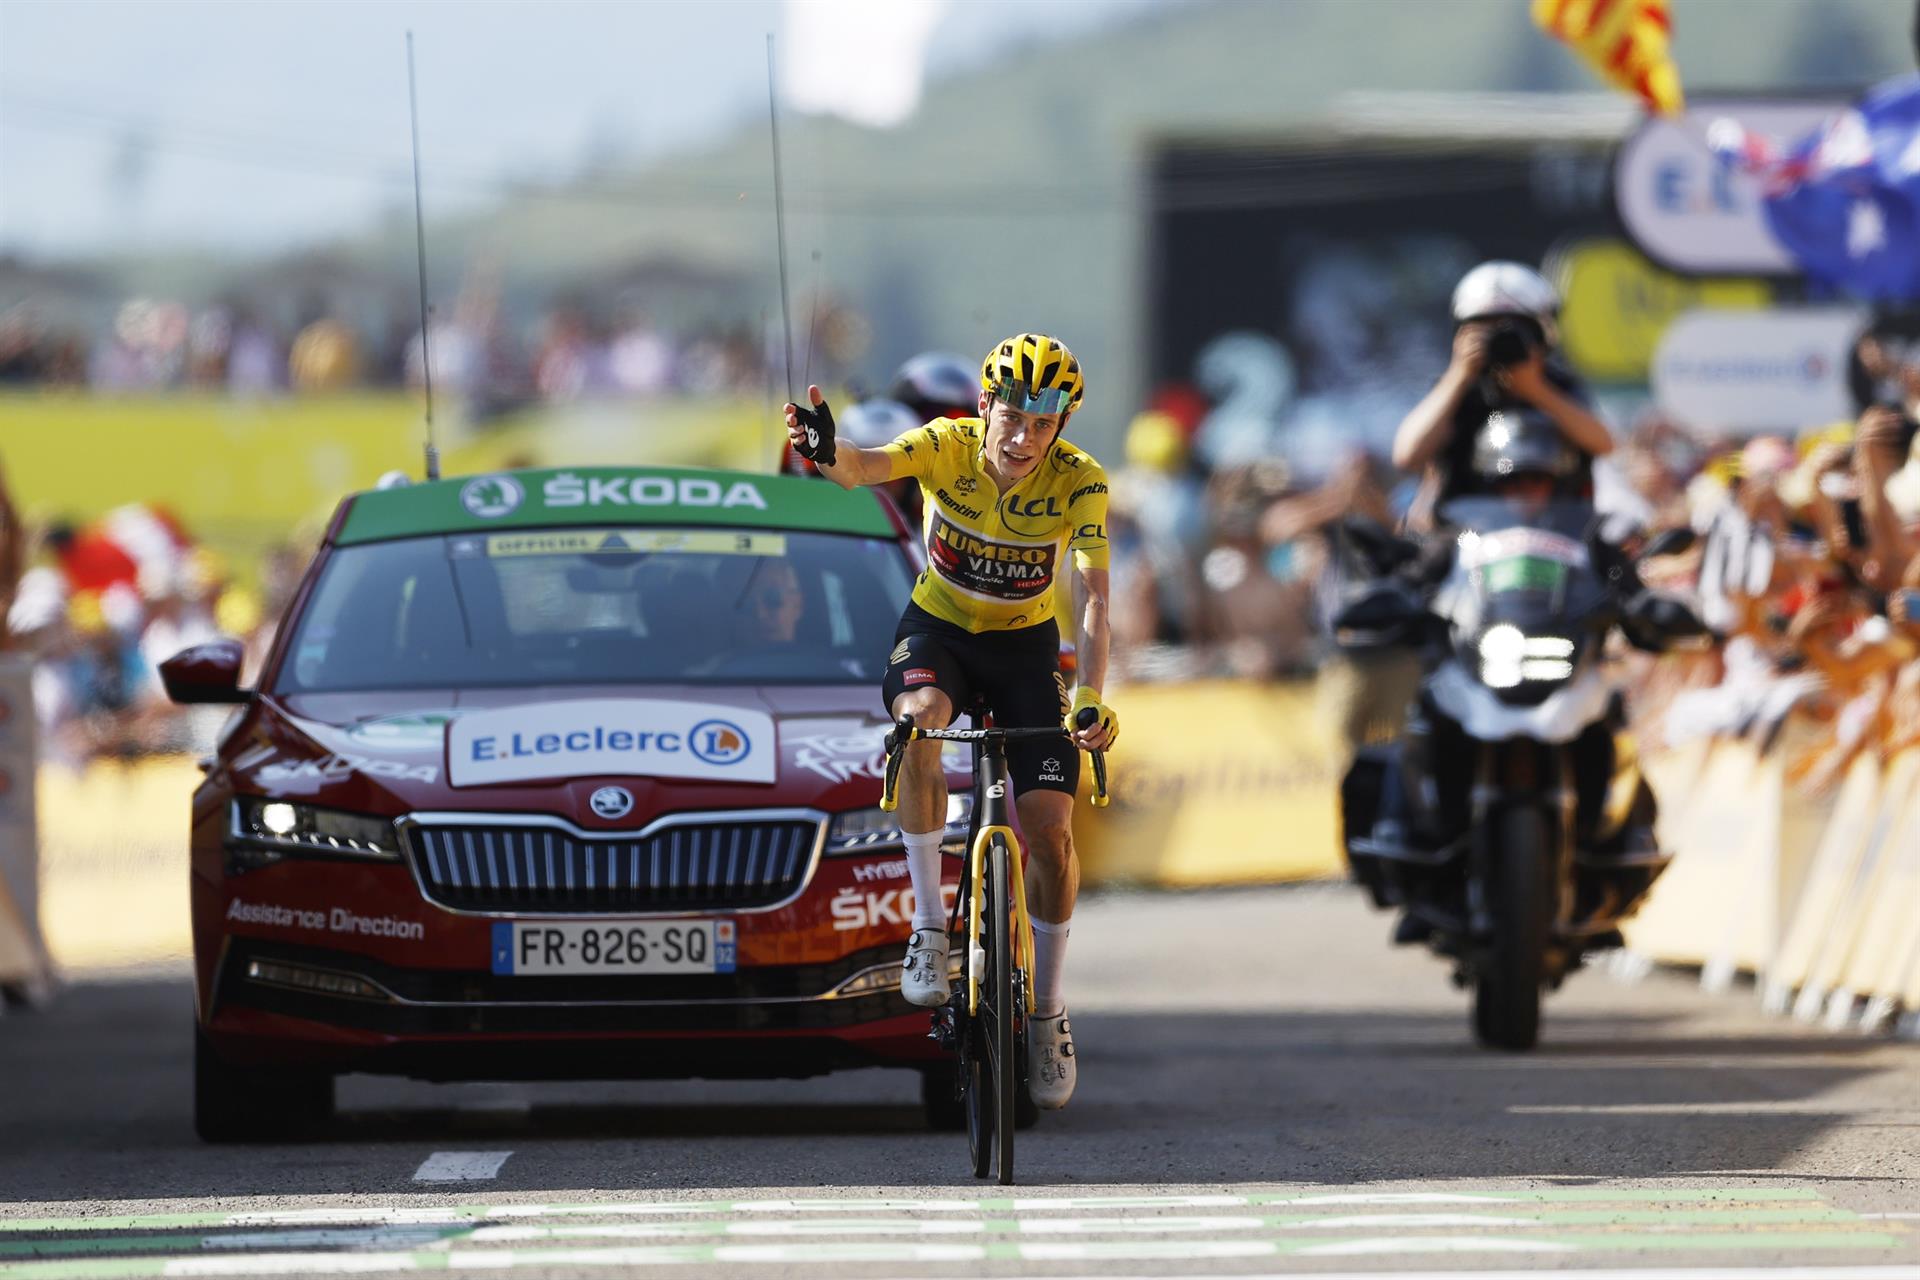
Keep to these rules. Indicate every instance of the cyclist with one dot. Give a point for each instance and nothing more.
(1006, 498)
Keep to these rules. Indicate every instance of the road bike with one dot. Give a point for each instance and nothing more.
(984, 1024)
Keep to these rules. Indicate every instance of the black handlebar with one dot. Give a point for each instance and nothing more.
(905, 731)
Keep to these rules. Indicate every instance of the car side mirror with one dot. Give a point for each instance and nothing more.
(1657, 622)
(1381, 613)
(1382, 549)
(205, 673)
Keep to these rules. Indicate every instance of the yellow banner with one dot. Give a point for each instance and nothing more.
(1215, 783)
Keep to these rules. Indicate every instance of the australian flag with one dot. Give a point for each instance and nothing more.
(1846, 201)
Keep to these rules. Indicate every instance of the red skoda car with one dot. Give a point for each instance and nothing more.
(559, 775)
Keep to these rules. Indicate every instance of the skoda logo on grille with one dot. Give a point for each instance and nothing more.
(611, 802)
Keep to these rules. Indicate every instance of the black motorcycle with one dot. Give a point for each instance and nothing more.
(1510, 823)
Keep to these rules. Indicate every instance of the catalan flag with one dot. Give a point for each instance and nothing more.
(1626, 41)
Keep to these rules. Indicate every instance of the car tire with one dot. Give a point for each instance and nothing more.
(256, 1104)
(940, 1098)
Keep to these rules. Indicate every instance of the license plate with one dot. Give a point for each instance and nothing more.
(613, 946)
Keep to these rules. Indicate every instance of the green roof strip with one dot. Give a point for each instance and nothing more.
(611, 496)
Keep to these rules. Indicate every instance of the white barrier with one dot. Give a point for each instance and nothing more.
(24, 967)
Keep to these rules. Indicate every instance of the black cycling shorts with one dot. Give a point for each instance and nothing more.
(1016, 672)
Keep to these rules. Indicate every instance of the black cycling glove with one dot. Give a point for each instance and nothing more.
(816, 424)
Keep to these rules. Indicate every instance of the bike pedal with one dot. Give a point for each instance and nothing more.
(942, 1030)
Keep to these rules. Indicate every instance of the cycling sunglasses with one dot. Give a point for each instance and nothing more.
(1016, 394)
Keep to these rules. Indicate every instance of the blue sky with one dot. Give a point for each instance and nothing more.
(258, 124)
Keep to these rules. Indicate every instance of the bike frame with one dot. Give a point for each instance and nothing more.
(992, 815)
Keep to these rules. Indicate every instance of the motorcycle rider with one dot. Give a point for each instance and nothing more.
(1505, 356)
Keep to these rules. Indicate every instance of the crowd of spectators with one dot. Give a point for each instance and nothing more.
(493, 355)
(1806, 565)
(98, 607)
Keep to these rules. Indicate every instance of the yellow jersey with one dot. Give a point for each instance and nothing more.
(993, 558)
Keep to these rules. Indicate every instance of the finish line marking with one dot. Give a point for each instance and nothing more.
(461, 1166)
(459, 1259)
(416, 1237)
(430, 1215)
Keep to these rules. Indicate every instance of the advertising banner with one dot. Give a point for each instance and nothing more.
(1747, 371)
(634, 737)
(1686, 210)
(1215, 782)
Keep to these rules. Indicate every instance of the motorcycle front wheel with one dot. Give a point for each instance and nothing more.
(1506, 996)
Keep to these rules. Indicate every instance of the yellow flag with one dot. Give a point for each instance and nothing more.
(1624, 40)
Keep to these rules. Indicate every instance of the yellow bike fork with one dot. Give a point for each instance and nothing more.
(1022, 949)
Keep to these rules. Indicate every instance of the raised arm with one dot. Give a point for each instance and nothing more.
(1428, 425)
(852, 466)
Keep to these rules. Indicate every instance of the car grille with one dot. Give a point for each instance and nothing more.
(739, 863)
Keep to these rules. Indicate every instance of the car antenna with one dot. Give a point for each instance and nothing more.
(780, 220)
(420, 247)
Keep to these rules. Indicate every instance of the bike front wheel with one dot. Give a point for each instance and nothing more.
(1003, 1047)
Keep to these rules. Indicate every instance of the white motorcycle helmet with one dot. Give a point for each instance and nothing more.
(1506, 289)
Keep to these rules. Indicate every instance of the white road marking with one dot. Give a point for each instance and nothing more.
(1699, 1109)
(1890, 1272)
(461, 1166)
(1431, 1244)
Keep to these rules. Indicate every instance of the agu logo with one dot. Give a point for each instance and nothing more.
(490, 497)
(718, 742)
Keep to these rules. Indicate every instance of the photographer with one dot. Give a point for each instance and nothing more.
(1505, 315)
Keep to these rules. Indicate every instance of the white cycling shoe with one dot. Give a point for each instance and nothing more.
(1051, 1066)
(923, 975)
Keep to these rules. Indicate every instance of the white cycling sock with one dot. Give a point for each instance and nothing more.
(1049, 958)
(923, 867)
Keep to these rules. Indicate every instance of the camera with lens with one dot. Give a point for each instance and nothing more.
(1512, 340)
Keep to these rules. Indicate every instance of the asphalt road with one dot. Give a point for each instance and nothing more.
(1267, 1088)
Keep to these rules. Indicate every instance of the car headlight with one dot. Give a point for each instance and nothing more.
(873, 830)
(1509, 656)
(276, 827)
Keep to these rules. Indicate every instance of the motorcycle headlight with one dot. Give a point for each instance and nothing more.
(871, 830)
(278, 827)
(1509, 656)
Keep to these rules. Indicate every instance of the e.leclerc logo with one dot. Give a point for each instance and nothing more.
(641, 737)
(490, 497)
(718, 742)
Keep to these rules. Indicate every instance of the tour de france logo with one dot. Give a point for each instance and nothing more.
(718, 742)
(490, 497)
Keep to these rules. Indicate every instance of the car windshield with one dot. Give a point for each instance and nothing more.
(600, 606)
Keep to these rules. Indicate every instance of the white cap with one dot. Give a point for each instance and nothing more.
(1505, 289)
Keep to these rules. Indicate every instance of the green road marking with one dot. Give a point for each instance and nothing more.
(838, 1252)
(448, 1214)
(388, 1237)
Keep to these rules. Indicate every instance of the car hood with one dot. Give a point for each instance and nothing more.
(387, 752)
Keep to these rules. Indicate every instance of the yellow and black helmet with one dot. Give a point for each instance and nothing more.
(1034, 374)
